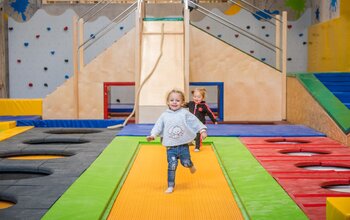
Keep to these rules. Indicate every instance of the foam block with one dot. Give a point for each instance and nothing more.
(338, 208)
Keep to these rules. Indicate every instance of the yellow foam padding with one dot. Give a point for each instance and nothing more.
(19, 107)
(4, 125)
(234, 9)
(35, 157)
(338, 208)
(13, 131)
(5, 204)
(202, 195)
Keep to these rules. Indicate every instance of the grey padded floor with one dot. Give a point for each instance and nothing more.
(35, 196)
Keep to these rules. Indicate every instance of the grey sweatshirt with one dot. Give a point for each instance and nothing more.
(177, 127)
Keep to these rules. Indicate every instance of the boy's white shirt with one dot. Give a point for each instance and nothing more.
(177, 127)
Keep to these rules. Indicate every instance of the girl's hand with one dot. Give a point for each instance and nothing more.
(216, 123)
(204, 135)
(150, 138)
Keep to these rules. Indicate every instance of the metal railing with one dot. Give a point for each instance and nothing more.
(253, 39)
(104, 30)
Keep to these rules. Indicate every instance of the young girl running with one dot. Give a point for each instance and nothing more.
(200, 109)
(177, 127)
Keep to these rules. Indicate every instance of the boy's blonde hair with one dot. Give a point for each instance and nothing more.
(181, 93)
(202, 91)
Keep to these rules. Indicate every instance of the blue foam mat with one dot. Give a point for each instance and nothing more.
(96, 123)
(16, 118)
(235, 130)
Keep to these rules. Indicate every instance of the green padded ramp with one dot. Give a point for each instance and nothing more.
(89, 196)
(330, 103)
(261, 196)
(164, 19)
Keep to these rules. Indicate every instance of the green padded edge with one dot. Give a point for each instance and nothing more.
(232, 188)
(90, 194)
(262, 197)
(164, 19)
(330, 103)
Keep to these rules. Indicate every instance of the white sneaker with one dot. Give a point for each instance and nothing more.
(169, 190)
(193, 169)
(196, 150)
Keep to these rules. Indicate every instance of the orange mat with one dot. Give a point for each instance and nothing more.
(203, 195)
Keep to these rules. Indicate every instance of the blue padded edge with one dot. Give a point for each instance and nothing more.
(16, 118)
(69, 123)
(236, 130)
(220, 86)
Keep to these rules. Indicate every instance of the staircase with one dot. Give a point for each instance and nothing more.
(338, 84)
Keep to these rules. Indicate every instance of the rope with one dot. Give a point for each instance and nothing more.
(142, 84)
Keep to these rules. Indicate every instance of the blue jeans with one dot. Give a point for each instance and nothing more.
(173, 154)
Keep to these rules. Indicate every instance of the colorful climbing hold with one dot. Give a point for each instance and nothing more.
(232, 10)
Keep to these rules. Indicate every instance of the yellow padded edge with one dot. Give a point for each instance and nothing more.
(19, 107)
(4, 125)
(202, 195)
(338, 208)
(13, 131)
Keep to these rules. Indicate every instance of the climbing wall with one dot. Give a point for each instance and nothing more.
(41, 50)
(244, 24)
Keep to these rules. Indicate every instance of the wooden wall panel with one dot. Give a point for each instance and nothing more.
(168, 73)
(302, 108)
(252, 90)
(116, 64)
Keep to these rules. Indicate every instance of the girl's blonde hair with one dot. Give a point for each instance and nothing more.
(181, 93)
(202, 91)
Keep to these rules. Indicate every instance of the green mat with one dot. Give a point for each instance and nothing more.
(90, 194)
(261, 196)
(258, 193)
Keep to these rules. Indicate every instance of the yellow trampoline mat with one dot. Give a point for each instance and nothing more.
(202, 195)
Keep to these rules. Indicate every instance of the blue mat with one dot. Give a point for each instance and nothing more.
(16, 118)
(97, 123)
(235, 130)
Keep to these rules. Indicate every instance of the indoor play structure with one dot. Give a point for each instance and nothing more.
(280, 150)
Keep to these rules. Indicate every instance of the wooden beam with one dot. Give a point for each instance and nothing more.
(3, 63)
